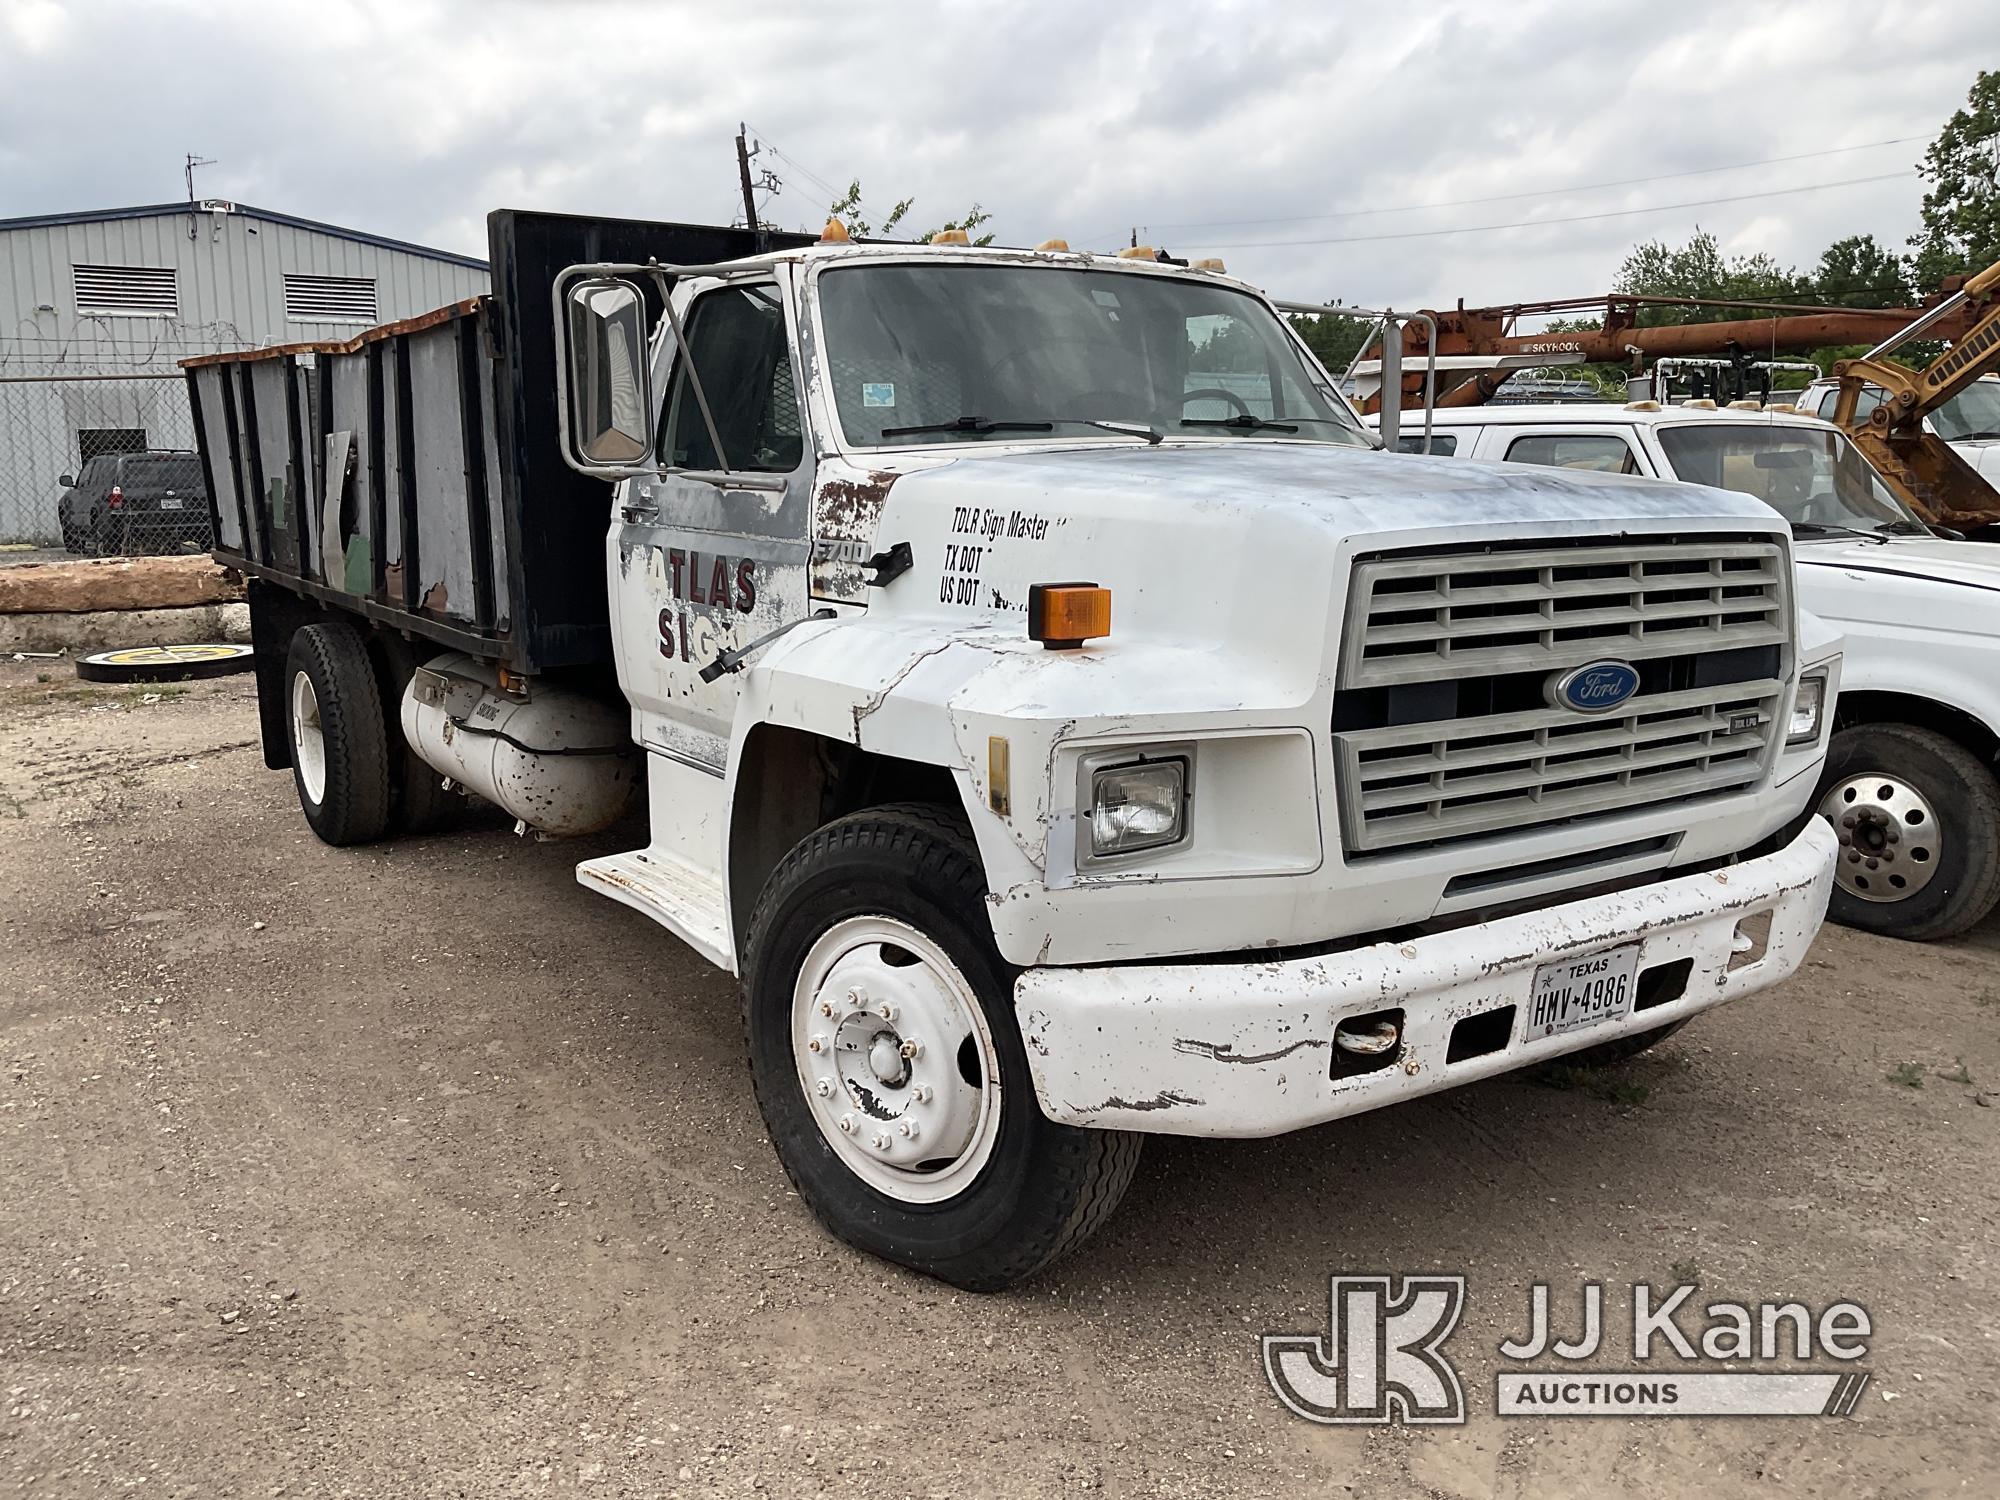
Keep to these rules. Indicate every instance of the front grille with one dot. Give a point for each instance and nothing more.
(1442, 730)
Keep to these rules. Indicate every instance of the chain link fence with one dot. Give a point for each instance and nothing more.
(100, 464)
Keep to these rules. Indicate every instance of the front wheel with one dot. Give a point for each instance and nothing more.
(889, 1067)
(1918, 818)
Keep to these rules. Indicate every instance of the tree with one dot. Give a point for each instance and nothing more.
(1961, 212)
(848, 210)
(1699, 270)
(1856, 272)
(1859, 272)
(1334, 339)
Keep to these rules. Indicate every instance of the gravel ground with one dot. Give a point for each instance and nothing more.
(417, 1170)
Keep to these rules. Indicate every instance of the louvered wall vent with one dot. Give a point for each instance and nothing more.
(330, 299)
(130, 291)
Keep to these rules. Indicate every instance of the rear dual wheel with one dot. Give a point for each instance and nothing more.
(356, 778)
(889, 1067)
(339, 742)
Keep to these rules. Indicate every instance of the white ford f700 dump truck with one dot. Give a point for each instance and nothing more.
(1045, 697)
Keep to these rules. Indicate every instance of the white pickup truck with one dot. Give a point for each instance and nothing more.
(1045, 697)
(1909, 783)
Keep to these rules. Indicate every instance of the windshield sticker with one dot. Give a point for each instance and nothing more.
(883, 394)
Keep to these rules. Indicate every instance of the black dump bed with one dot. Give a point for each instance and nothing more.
(414, 475)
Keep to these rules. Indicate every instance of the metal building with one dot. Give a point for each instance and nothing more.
(97, 308)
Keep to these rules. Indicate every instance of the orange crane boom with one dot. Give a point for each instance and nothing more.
(1787, 328)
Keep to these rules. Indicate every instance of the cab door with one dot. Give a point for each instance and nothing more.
(711, 554)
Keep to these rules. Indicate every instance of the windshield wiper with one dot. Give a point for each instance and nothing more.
(1241, 422)
(1979, 436)
(980, 424)
(968, 424)
(1129, 429)
(1828, 528)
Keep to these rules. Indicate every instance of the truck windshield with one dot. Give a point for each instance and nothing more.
(960, 353)
(1973, 413)
(1814, 478)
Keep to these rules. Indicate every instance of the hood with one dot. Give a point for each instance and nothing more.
(1236, 549)
(1902, 588)
(1973, 565)
(1350, 492)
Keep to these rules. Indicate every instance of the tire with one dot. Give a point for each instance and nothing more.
(72, 539)
(1622, 1049)
(1918, 816)
(1016, 1191)
(333, 717)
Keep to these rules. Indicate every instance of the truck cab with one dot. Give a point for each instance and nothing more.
(1046, 699)
(1909, 782)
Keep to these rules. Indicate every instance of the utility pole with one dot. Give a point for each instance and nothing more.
(743, 172)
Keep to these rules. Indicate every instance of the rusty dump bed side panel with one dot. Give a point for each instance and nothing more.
(412, 474)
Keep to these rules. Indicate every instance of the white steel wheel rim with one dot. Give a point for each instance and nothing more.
(1890, 839)
(308, 739)
(884, 1031)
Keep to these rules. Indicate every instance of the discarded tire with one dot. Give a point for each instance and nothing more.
(164, 663)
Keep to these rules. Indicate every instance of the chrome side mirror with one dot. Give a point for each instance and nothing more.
(606, 382)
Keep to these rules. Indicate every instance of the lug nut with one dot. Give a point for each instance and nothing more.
(881, 1143)
(907, 1130)
(857, 997)
(922, 1093)
(913, 1049)
(847, 1124)
(823, 1087)
(826, 1007)
(816, 1043)
(886, 1011)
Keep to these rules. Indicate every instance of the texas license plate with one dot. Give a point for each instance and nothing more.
(171, 502)
(1580, 992)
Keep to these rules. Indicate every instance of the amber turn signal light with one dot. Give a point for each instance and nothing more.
(1062, 616)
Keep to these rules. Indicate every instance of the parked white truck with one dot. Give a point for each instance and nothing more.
(1909, 783)
(1045, 698)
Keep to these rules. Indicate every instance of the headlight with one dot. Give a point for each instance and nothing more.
(1138, 806)
(1806, 710)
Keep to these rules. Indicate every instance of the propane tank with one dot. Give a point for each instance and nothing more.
(557, 760)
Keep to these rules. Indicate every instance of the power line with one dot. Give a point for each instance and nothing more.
(833, 194)
(1586, 187)
(1616, 213)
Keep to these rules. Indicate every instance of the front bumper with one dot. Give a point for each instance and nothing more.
(1247, 1049)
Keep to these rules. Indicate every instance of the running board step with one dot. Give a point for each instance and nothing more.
(684, 899)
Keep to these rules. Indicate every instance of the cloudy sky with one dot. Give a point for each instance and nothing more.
(1317, 147)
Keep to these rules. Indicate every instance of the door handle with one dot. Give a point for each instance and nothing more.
(633, 514)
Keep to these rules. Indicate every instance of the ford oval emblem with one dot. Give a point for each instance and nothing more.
(1596, 687)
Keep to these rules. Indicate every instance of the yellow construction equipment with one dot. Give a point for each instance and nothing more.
(1920, 466)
